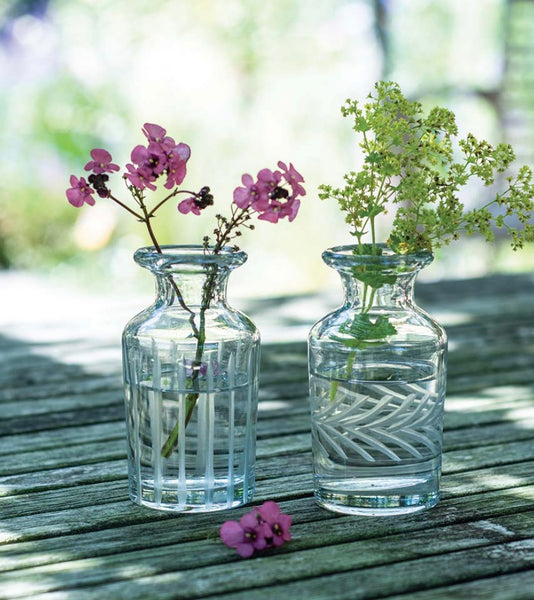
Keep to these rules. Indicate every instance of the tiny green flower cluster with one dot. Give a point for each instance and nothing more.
(417, 163)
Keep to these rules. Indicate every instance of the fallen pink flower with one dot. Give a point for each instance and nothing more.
(261, 528)
(246, 535)
(278, 522)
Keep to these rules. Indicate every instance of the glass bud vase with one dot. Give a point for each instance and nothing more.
(190, 365)
(377, 369)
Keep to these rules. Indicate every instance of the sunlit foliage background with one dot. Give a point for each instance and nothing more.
(245, 83)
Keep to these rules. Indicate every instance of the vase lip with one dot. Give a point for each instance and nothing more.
(339, 256)
(190, 255)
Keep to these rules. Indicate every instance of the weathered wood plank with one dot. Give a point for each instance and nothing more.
(68, 382)
(102, 513)
(518, 586)
(318, 529)
(69, 531)
(473, 481)
(397, 564)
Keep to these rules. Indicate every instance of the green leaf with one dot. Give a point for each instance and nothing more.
(360, 124)
(363, 331)
(374, 276)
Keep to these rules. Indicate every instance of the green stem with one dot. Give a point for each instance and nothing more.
(126, 207)
(348, 371)
(192, 398)
(366, 307)
(238, 218)
(168, 197)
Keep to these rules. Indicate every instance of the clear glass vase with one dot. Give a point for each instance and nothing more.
(377, 368)
(190, 365)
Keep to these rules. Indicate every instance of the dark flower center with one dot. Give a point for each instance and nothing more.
(98, 181)
(204, 198)
(278, 192)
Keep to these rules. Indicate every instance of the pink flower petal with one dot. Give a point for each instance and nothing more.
(182, 151)
(250, 520)
(269, 511)
(100, 155)
(232, 534)
(247, 180)
(245, 550)
(153, 131)
(269, 215)
(139, 155)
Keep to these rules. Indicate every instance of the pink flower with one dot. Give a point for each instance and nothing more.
(293, 177)
(156, 159)
(267, 195)
(248, 194)
(246, 536)
(151, 159)
(278, 210)
(189, 205)
(201, 368)
(259, 529)
(157, 138)
(278, 522)
(154, 133)
(80, 192)
(267, 182)
(177, 159)
(256, 193)
(101, 162)
(140, 177)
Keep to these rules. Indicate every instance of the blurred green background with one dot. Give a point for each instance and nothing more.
(245, 83)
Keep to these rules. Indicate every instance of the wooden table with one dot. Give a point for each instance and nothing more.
(68, 530)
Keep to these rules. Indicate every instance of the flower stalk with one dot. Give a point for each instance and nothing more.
(415, 164)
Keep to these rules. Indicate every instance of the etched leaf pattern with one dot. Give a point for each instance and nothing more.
(379, 423)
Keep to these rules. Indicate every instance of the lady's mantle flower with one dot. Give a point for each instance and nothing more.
(80, 192)
(261, 528)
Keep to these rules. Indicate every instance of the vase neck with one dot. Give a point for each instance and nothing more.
(195, 290)
(375, 281)
(367, 296)
(190, 277)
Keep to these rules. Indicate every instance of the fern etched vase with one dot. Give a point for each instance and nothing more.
(377, 373)
(190, 366)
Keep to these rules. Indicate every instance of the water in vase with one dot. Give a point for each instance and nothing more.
(377, 438)
(211, 463)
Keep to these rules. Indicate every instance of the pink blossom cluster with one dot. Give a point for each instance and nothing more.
(261, 528)
(81, 191)
(273, 195)
(162, 155)
(267, 196)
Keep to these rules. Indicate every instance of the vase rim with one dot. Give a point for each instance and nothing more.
(193, 255)
(344, 255)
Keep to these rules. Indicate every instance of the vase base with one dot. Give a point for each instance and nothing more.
(169, 497)
(379, 497)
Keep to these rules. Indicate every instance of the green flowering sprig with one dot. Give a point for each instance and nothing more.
(416, 165)
(416, 162)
